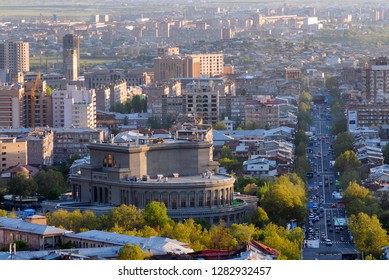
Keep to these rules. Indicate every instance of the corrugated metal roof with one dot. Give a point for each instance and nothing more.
(21, 225)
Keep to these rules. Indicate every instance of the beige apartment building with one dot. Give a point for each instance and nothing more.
(15, 56)
(12, 106)
(264, 114)
(210, 64)
(176, 66)
(12, 152)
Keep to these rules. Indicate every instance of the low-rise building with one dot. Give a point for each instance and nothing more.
(74, 141)
(13, 152)
(260, 168)
(38, 237)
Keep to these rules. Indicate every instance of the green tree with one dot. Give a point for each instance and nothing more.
(250, 189)
(219, 237)
(242, 233)
(305, 97)
(155, 215)
(287, 243)
(261, 218)
(358, 199)
(154, 123)
(369, 236)
(332, 85)
(137, 104)
(230, 164)
(3, 187)
(220, 126)
(50, 183)
(21, 245)
(386, 153)
(189, 232)
(76, 220)
(251, 125)
(343, 142)
(300, 137)
(348, 177)
(22, 186)
(126, 217)
(131, 252)
(347, 161)
(226, 152)
(286, 200)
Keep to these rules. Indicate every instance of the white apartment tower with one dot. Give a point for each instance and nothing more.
(74, 107)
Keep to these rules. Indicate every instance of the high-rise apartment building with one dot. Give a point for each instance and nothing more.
(210, 64)
(71, 56)
(376, 81)
(14, 56)
(39, 112)
(12, 106)
(202, 100)
(74, 107)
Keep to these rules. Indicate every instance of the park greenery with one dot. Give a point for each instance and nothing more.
(154, 221)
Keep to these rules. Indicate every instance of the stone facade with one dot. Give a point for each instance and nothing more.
(178, 173)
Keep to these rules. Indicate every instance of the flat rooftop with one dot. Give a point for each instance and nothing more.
(182, 179)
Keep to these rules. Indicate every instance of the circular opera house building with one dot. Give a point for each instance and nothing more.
(179, 173)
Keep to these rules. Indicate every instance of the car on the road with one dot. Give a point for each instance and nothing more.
(330, 229)
(328, 242)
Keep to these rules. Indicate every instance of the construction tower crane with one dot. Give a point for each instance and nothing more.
(32, 101)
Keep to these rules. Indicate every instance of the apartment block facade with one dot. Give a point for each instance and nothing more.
(262, 114)
(376, 81)
(74, 107)
(15, 56)
(12, 106)
(12, 152)
(176, 66)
